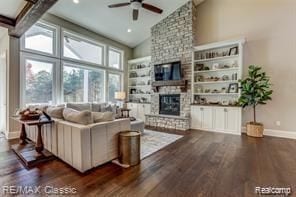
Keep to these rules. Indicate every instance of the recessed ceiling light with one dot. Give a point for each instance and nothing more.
(76, 1)
(129, 30)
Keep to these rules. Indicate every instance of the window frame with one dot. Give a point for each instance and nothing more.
(59, 61)
(121, 75)
(84, 67)
(84, 39)
(56, 37)
(55, 69)
(121, 53)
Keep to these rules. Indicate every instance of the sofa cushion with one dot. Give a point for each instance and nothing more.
(102, 116)
(97, 107)
(109, 108)
(80, 117)
(55, 112)
(79, 106)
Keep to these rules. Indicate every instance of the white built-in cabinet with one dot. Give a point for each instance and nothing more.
(216, 118)
(139, 110)
(216, 72)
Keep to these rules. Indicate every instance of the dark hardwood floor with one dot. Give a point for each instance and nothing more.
(199, 164)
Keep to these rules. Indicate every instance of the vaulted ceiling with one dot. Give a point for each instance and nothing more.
(114, 23)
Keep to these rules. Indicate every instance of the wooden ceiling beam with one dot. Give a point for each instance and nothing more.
(32, 1)
(30, 14)
(7, 22)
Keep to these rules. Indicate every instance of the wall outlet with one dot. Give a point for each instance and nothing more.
(278, 123)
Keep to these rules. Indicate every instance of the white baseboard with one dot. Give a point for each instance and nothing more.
(276, 133)
(12, 135)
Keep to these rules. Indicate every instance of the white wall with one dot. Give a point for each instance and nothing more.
(4, 46)
(269, 27)
(143, 49)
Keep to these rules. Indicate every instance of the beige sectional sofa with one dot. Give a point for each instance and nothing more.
(82, 146)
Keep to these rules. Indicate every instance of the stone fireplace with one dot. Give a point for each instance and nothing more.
(169, 104)
(172, 40)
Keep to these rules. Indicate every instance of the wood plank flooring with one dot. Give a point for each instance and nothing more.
(199, 164)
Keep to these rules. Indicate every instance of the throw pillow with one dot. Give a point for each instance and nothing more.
(102, 116)
(80, 117)
(79, 106)
(55, 112)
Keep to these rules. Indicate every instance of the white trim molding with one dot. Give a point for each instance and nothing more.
(12, 135)
(276, 133)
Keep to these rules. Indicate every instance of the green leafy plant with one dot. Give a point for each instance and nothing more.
(256, 89)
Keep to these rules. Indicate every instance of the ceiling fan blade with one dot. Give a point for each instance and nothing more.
(135, 14)
(152, 8)
(118, 5)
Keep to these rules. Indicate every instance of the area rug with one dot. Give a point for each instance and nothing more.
(153, 141)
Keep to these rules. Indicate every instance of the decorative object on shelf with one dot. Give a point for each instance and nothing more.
(121, 96)
(225, 102)
(215, 91)
(207, 90)
(233, 88)
(225, 66)
(225, 78)
(223, 90)
(199, 67)
(233, 51)
(256, 89)
(215, 66)
(199, 78)
(203, 101)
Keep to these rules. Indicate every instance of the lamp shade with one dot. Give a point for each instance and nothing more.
(120, 95)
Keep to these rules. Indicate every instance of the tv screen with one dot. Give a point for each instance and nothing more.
(168, 72)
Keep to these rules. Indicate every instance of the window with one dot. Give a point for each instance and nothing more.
(80, 49)
(114, 81)
(61, 66)
(83, 85)
(41, 38)
(39, 82)
(115, 58)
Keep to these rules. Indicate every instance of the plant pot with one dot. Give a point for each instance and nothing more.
(255, 129)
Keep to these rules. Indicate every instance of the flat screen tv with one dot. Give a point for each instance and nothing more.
(168, 72)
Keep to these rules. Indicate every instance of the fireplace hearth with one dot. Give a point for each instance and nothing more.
(169, 104)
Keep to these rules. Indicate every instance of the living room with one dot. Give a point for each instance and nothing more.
(147, 98)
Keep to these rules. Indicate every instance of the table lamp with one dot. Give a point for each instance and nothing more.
(121, 96)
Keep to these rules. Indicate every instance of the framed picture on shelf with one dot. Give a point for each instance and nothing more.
(233, 51)
(233, 88)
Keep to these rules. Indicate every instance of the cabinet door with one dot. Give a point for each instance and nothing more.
(232, 120)
(196, 117)
(134, 109)
(141, 111)
(220, 114)
(207, 118)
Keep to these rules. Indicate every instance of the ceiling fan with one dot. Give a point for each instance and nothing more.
(136, 5)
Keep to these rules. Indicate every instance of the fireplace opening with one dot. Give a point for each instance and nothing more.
(169, 104)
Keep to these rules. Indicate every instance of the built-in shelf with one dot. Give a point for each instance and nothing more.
(216, 82)
(143, 66)
(215, 105)
(139, 94)
(139, 69)
(140, 86)
(217, 70)
(135, 78)
(217, 94)
(217, 58)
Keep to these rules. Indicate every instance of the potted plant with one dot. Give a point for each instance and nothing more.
(255, 90)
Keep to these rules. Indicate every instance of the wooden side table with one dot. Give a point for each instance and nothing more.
(29, 152)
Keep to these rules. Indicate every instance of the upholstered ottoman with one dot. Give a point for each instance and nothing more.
(137, 125)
